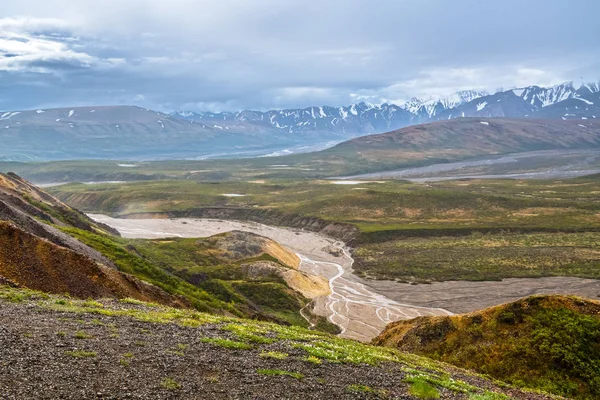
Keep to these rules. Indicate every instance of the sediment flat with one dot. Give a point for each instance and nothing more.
(466, 296)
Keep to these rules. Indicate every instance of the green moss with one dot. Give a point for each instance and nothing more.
(170, 384)
(313, 360)
(152, 315)
(81, 354)
(92, 303)
(15, 295)
(423, 390)
(137, 302)
(441, 380)
(227, 343)
(338, 350)
(82, 335)
(277, 355)
(489, 396)
(279, 372)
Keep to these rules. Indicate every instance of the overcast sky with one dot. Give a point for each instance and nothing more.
(260, 54)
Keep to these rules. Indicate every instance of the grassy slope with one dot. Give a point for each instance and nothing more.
(187, 267)
(168, 352)
(474, 230)
(546, 342)
(463, 137)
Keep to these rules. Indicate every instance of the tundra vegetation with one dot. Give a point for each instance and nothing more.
(545, 342)
(465, 229)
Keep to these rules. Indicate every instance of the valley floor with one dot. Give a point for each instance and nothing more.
(547, 164)
(467, 296)
(362, 308)
(360, 312)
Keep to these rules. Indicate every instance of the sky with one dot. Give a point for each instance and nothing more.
(217, 55)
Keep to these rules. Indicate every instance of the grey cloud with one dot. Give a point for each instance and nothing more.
(229, 54)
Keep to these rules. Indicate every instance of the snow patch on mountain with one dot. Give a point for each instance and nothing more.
(544, 97)
(9, 115)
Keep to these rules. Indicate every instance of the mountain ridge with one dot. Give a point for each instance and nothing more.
(454, 140)
(363, 118)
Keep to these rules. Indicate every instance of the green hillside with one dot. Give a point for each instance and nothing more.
(550, 343)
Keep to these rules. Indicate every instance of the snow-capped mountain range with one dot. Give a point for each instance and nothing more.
(129, 132)
(564, 101)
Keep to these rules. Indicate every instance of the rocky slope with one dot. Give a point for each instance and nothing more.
(28, 261)
(54, 347)
(546, 342)
(37, 255)
(38, 213)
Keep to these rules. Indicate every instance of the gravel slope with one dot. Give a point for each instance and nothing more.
(130, 359)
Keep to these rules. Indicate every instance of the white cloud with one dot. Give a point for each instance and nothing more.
(444, 82)
(42, 46)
